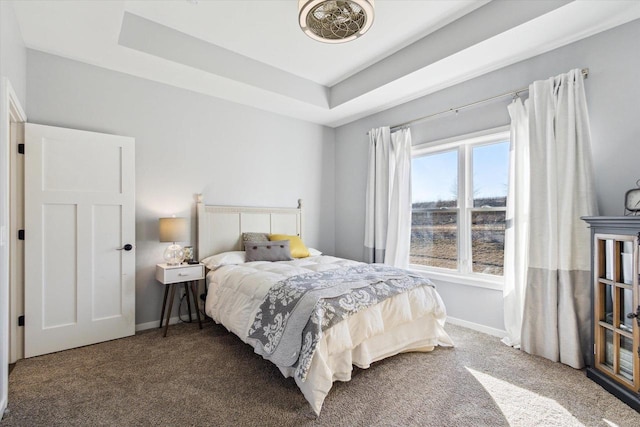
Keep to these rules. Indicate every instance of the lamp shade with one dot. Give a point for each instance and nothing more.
(173, 230)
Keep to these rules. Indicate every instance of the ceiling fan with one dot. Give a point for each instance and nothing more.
(335, 21)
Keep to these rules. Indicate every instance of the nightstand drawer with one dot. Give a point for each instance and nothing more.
(180, 273)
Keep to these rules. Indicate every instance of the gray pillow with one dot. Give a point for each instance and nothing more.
(268, 251)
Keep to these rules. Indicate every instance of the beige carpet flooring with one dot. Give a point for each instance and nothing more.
(210, 378)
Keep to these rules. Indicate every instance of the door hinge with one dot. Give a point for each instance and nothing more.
(20, 234)
(594, 349)
(20, 148)
(21, 320)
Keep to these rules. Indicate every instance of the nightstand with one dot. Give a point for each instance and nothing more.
(172, 275)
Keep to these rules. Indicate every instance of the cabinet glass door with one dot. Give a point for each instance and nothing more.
(616, 293)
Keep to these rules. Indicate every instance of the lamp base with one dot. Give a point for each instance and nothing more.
(173, 255)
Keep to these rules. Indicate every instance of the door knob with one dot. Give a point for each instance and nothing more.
(126, 247)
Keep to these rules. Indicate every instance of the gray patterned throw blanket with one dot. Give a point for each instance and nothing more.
(290, 321)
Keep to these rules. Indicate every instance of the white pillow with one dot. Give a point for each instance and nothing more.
(314, 252)
(225, 258)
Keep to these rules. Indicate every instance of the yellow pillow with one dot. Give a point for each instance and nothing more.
(298, 249)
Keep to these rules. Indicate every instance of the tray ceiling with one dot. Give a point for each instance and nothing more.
(254, 53)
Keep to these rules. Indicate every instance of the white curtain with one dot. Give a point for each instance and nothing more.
(388, 201)
(556, 243)
(517, 228)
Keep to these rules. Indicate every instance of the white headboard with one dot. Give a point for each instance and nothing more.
(220, 228)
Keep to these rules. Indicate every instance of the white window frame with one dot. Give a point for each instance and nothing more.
(464, 144)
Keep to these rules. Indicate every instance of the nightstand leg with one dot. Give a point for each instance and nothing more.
(164, 304)
(186, 292)
(173, 292)
(195, 301)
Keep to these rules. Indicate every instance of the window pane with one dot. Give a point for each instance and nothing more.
(434, 235)
(434, 180)
(487, 242)
(490, 175)
(608, 304)
(626, 357)
(434, 239)
(625, 299)
(608, 343)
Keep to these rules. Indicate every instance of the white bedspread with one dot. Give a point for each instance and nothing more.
(411, 321)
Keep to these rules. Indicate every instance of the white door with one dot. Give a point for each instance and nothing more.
(79, 233)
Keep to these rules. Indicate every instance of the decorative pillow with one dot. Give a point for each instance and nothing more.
(268, 251)
(298, 249)
(225, 258)
(254, 237)
(314, 252)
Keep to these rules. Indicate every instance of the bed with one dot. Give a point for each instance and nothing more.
(409, 319)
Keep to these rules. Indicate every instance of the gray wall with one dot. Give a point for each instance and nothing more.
(13, 54)
(187, 143)
(612, 92)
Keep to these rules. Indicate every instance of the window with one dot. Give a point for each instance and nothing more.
(459, 199)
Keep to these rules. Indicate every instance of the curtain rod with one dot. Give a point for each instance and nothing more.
(585, 73)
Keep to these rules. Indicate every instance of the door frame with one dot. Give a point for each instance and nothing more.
(10, 112)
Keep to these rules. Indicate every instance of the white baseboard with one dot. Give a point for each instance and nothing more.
(156, 323)
(477, 327)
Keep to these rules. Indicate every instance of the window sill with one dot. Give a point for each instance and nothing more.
(476, 280)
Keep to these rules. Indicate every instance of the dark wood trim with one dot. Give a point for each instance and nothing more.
(613, 223)
(622, 393)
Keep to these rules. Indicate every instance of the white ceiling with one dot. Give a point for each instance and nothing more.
(254, 53)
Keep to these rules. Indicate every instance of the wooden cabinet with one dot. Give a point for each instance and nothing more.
(615, 364)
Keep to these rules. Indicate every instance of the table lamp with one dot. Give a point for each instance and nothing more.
(173, 230)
